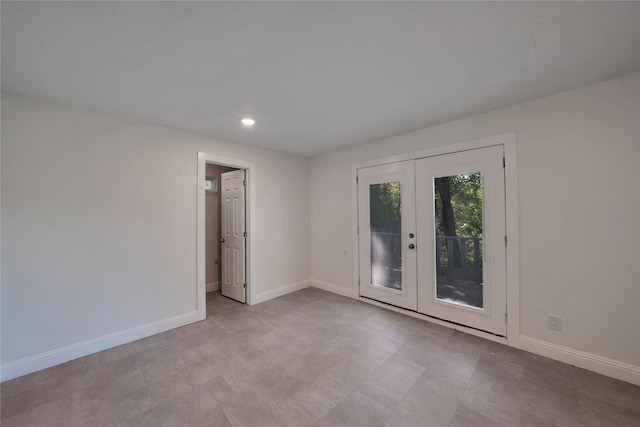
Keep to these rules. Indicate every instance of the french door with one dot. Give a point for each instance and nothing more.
(233, 236)
(387, 222)
(431, 236)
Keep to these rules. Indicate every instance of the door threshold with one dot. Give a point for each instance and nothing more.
(456, 326)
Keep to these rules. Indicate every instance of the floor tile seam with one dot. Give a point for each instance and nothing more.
(37, 407)
(619, 386)
(283, 400)
(418, 419)
(330, 409)
(294, 338)
(523, 404)
(3, 415)
(47, 401)
(243, 420)
(557, 392)
(387, 404)
(541, 415)
(607, 402)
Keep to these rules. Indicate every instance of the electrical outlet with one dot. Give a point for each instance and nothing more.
(555, 322)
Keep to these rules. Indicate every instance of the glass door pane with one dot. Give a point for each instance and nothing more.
(385, 229)
(458, 231)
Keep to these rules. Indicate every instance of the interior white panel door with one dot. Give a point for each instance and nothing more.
(461, 259)
(233, 236)
(387, 246)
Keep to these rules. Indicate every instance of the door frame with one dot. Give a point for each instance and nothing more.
(250, 200)
(508, 141)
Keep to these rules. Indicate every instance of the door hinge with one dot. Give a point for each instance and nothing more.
(244, 182)
(504, 162)
(505, 240)
(245, 286)
(506, 318)
(356, 179)
(245, 234)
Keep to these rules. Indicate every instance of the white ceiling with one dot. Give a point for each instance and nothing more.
(316, 76)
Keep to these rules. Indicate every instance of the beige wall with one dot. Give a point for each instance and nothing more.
(578, 179)
(99, 224)
(212, 227)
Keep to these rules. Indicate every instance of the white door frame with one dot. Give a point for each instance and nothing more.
(250, 168)
(511, 205)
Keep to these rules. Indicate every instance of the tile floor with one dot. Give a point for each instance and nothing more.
(217, 303)
(314, 358)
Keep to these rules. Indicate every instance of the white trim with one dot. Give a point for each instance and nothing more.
(592, 362)
(64, 354)
(250, 168)
(420, 316)
(213, 286)
(507, 138)
(355, 243)
(513, 239)
(278, 292)
(336, 289)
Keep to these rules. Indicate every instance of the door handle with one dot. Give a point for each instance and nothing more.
(221, 240)
(412, 246)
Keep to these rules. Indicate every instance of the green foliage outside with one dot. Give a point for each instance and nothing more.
(464, 196)
(385, 207)
(466, 200)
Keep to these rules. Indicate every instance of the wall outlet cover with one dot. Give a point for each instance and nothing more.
(555, 322)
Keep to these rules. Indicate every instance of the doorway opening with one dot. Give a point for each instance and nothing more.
(224, 224)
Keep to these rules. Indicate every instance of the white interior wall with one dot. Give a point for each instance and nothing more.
(578, 156)
(99, 224)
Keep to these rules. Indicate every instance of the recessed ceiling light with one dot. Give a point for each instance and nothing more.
(248, 121)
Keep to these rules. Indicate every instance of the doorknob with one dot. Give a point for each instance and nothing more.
(411, 235)
(412, 246)
(221, 240)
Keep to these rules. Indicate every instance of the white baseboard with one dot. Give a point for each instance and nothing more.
(602, 365)
(278, 292)
(212, 286)
(336, 289)
(64, 354)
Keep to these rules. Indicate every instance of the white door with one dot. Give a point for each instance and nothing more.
(461, 257)
(233, 236)
(386, 216)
